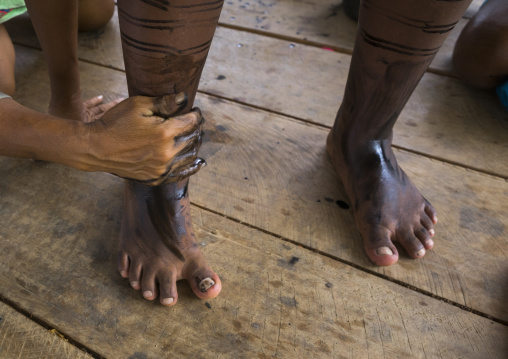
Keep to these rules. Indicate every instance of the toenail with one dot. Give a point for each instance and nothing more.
(147, 293)
(167, 301)
(384, 251)
(124, 274)
(430, 242)
(420, 253)
(431, 231)
(135, 285)
(205, 284)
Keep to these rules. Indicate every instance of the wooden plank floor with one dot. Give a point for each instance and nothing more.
(296, 281)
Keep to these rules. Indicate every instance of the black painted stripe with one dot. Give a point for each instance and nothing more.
(162, 49)
(155, 4)
(196, 5)
(390, 43)
(401, 49)
(423, 25)
(155, 27)
(174, 49)
(123, 12)
(205, 10)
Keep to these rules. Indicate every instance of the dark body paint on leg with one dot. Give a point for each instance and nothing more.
(165, 45)
(396, 42)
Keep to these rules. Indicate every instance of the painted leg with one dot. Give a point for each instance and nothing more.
(481, 51)
(396, 41)
(165, 47)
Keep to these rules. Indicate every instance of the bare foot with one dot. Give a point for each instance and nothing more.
(157, 244)
(387, 206)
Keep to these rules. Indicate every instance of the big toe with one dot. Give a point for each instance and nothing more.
(205, 283)
(379, 247)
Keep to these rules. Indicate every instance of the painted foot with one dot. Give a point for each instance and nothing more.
(387, 206)
(157, 244)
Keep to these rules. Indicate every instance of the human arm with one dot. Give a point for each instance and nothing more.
(138, 139)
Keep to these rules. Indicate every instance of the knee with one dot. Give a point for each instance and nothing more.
(94, 14)
(481, 51)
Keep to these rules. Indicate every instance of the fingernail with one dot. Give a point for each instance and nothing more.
(147, 293)
(431, 232)
(420, 253)
(100, 97)
(135, 285)
(205, 284)
(123, 273)
(434, 219)
(430, 242)
(180, 98)
(167, 301)
(384, 251)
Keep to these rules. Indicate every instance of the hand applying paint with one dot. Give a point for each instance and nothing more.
(141, 138)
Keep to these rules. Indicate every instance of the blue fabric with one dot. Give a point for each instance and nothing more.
(502, 93)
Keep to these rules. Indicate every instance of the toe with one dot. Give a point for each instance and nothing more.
(148, 287)
(431, 212)
(205, 283)
(167, 288)
(412, 244)
(135, 274)
(380, 248)
(426, 222)
(123, 264)
(424, 236)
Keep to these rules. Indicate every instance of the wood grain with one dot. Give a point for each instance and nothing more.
(307, 24)
(58, 243)
(22, 338)
(281, 181)
(320, 22)
(444, 118)
(271, 171)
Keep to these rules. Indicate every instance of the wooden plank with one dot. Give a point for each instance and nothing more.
(274, 174)
(473, 8)
(287, 172)
(443, 118)
(104, 46)
(58, 245)
(320, 22)
(22, 338)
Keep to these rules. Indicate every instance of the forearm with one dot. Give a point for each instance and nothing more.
(25, 133)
